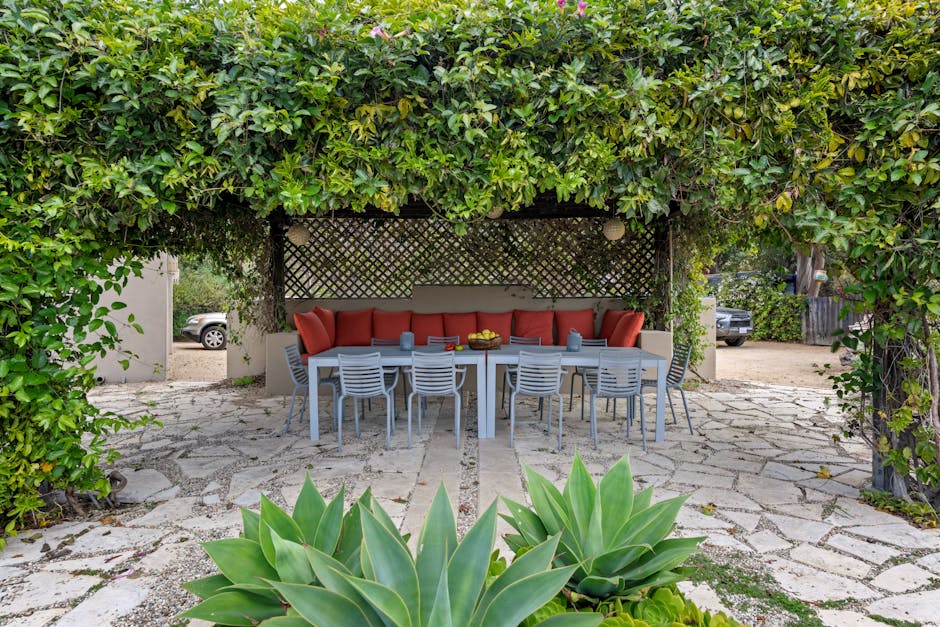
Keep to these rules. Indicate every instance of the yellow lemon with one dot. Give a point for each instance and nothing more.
(459, 347)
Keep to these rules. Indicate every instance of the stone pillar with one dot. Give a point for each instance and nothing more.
(707, 368)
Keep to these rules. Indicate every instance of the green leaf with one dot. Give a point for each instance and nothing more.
(205, 587)
(251, 522)
(615, 493)
(241, 609)
(273, 518)
(290, 560)
(308, 510)
(440, 613)
(240, 560)
(285, 621)
(466, 572)
(571, 619)
(436, 543)
(523, 597)
(668, 554)
(536, 560)
(548, 502)
(393, 564)
(321, 607)
(384, 600)
(579, 494)
(333, 575)
(331, 523)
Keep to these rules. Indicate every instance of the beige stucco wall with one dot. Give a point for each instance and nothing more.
(707, 369)
(245, 349)
(150, 299)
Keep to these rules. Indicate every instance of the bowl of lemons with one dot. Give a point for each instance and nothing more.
(484, 340)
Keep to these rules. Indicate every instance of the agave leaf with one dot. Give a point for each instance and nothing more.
(382, 516)
(597, 586)
(285, 621)
(290, 560)
(548, 502)
(436, 543)
(651, 525)
(333, 575)
(665, 556)
(522, 597)
(440, 610)
(331, 524)
(573, 619)
(320, 606)
(384, 600)
(250, 522)
(393, 565)
(594, 541)
(263, 589)
(308, 509)
(206, 587)
(466, 572)
(240, 560)
(660, 579)
(350, 539)
(536, 560)
(525, 521)
(642, 500)
(235, 607)
(276, 519)
(579, 494)
(615, 492)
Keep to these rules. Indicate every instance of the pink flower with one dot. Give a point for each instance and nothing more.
(378, 31)
(581, 6)
(561, 4)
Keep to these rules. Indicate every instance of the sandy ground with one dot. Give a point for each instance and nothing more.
(766, 362)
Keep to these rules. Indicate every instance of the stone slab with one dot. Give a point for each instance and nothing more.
(799, 529)
(768, 491)
(808, 583)
(686, 477)
(849, 512)
(105, 539)
(899, 534)
(107, 605)
(40, 618)
(903, 578)
(142, 485)
(767, 541)
(930, 562)
(830, 561)
(43, 589)
(844, 618)
(745, 520)
(166, 513)
(918, 607)
(722, 499)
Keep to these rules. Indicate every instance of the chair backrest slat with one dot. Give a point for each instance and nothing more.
(538, 374)
(525, 341)
(679, 364)
(385, 341)
(443, 339)
(433, 374)
(598, 342)
(298, 371)
(361, 375)
(618, 374)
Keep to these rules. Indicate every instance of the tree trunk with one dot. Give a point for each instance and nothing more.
(885, 400)
(806, 266)
(278, 225)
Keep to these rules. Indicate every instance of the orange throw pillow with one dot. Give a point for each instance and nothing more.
(497, 322)
(328, 318)
(581, 320)
(424, 325)
(611, 318)
(312, 333)
(460, 324)
(627, 330)
(390, 324)
(534, 324)
(354, 328)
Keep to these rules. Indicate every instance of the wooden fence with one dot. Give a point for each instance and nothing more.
(822, 318)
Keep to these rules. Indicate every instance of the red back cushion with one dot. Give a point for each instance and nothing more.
(390, 324)
(462, 324)
(497, 322)
(581, 320)
(627, 330)
(424, 325)
(354, 328)
(328, 318)
(611, 318)
(312, 333)
(534, 324)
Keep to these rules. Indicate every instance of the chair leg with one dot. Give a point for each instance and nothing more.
(339, 423)
(571, 392)
(421, 406)
(642, 425)
(671, 407)
(502, 402)
(335, 394)
(629, 422)
(389, 412)
(290, 412)
(541, 402)
(561, 413)
(457, 402)
(582, 397)
(688, 417)
(410, 406)
(356, 415)
(594, 419)
(512, 419)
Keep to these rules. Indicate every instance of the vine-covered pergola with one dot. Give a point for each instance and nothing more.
(128, 127)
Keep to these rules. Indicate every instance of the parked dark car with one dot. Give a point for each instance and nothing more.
(210, 329)
(733, 325)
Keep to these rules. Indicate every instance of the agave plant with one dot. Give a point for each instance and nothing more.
(615, 539)
(320, 568)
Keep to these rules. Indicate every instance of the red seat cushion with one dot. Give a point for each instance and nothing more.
(497, 322)
(354, 328)
(328, 318)
(627, 330)
(581, 320)
(534, 324)
(390, 324)
(424, 325)
(611, 318)
(312, 333)
(460, 324)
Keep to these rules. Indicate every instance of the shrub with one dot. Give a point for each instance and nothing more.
(777, 316)
(201, 289)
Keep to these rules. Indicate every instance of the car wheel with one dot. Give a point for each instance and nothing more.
(737, 341)
(213, 338)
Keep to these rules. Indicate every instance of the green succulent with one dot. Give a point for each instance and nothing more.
(318, 567)
(615, 539)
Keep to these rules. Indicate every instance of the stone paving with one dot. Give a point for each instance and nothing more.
(750, 470)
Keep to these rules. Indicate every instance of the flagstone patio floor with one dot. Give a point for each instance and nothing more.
(751, 470)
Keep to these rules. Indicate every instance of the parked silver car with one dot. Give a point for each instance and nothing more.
(210, 329)
(733, 325)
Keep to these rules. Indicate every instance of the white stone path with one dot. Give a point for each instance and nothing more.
(753, 461)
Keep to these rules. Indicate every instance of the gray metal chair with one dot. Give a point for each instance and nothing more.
(579, 372)
(511, 370)
(539, 375)
(403, 370)
(618, 376)
(444, 340)
(362, 377)
(434, 374)
(678, 366)
(299, 375)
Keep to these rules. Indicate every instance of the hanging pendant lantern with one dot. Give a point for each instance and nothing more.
(614, 229)
(495, 213)
(298, 235)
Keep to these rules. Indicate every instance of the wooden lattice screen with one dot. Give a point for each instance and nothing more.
(386, 257)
